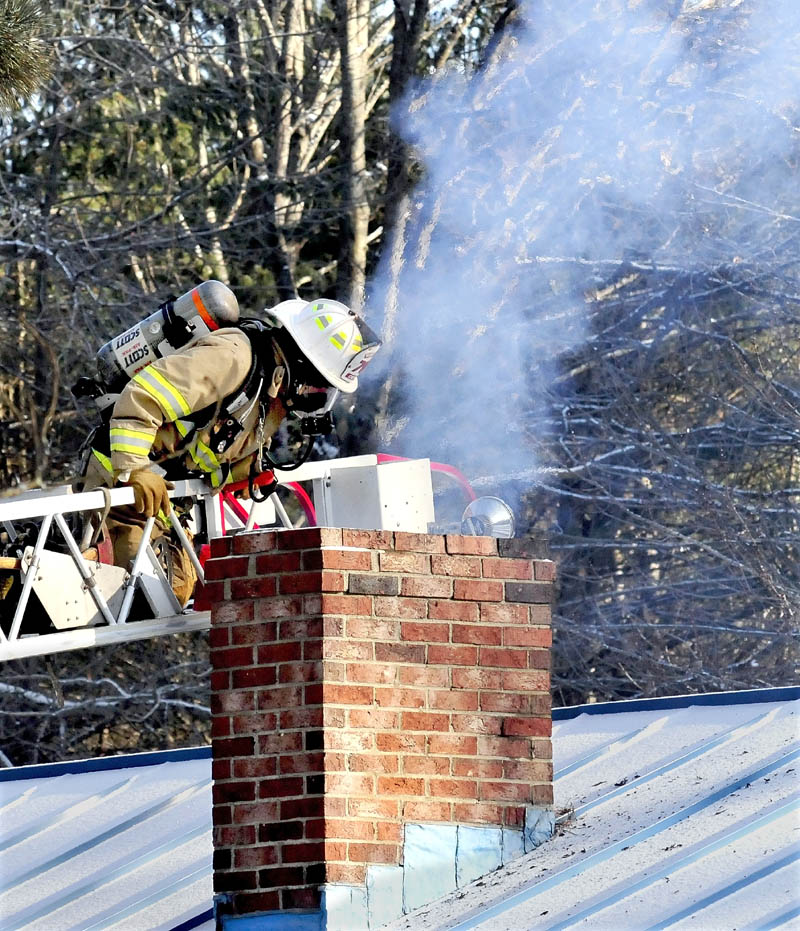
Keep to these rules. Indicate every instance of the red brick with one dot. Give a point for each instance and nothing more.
(280, 743)
(453, 611)
(476, 546)
(373, 584)
(258, 541)
(476, 633)
(528, 770)
(261, 587)
(376, 718)
(319, 581)
(301, 629)
(228, 836)
(452, 655)
(400, 743)
(350, 740)
(358, 560)
(390, 832)
(401, 607)
(477, 813)
(348, 694)
(478, 678)
(469, 566)
(221, 546)
(530, 592)
(254, 633)
(426, 587)
(348, 829)
(400, 698)
(534, 680)
(427, 633)
(452, 744)
(307, 898)
(229, 612)
(500, 656)
(374, 853)
(281, 787)
(346, 604)
(504, 747)
(281, 876)
(253, 677)
(369, 628)
(453, 700)
(277, 608)
(378, 673)
(351, 649)
(527, 636)
(370, 539)
(281, 697)
(280, 652)
(350, 784)
(400, 653)
(235, 656)
(375, 808)
(271, 563)
(373, 763)
(400, 785)
(508, 702)
(539, 659)
(309, 806)
(433, 676)
(291, 718)
(250, 903)
(352, 873)
(219, 637)
(504, 614)
(504, 791)
(407, 563)
(243, 791)
(236, 746)
(221, 769)
(540, 614)
(230, 702)
(244, 857)
(544, 570)
(419, 542)
(454, 788)
(308, 852)
(478, 723)
(542, 795)
(220, 680)
(469, 590)
(507, 569)
(220, 726)
(424, 721)
(425, 810)
(480, 769)
(307, 538)
(426, 765)
(232, 567)
(255, 767)
(299, 672)
(255, 723)
(527, 727)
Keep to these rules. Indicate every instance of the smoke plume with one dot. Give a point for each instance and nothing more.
(596, 133)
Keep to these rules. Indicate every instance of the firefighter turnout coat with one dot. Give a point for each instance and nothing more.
(196, 411)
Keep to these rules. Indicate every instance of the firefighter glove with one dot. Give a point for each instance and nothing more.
(150, 492)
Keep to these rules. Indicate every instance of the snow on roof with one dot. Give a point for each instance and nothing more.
(684, 814)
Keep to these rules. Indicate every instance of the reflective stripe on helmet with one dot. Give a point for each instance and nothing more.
(169, 398)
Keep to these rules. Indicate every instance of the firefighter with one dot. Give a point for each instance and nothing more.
(210, 408)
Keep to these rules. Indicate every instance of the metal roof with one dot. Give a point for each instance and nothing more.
(676, 813)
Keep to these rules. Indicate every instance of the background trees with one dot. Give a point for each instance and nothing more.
(583, 268)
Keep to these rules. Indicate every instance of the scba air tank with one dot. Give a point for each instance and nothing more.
(175, 324)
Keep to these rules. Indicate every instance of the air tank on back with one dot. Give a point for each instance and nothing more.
(175, 324)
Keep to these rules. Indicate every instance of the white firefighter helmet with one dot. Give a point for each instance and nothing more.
(331, 336)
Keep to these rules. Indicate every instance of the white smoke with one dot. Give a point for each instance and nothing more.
(662, 132)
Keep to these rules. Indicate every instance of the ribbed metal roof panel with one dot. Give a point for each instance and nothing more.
(677, 816)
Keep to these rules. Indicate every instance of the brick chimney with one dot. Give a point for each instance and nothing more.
(381, 730)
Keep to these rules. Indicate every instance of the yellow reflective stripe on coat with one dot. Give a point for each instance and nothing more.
(131, 441)
(169, 398)
(104, 461)
(204, 457)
